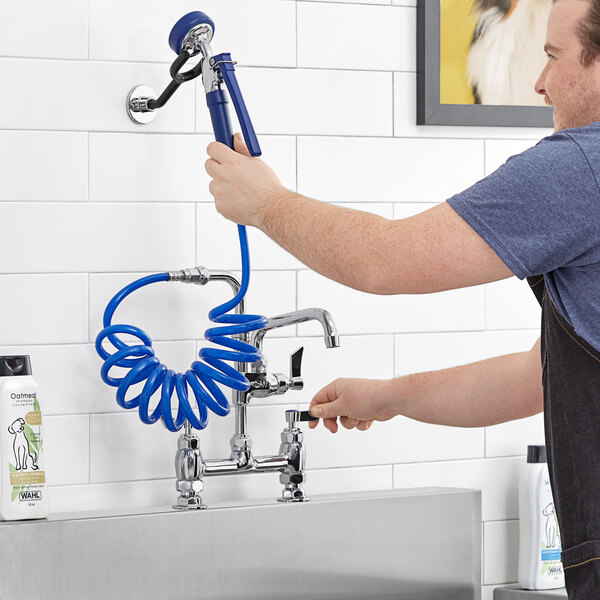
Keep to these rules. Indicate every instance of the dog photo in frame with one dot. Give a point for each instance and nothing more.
(478, 61)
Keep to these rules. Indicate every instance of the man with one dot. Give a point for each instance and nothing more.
(538, 217)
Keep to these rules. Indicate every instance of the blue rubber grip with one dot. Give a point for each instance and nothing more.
(219, 115)
(228, 72)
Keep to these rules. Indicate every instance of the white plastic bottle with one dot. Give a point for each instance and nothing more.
(22, 477)
(539, 537)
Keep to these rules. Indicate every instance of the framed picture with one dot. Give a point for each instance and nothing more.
(478, 61)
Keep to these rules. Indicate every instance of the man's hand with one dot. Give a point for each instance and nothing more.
(358, 403)
(242, 185)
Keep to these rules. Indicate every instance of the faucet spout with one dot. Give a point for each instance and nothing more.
(300, 316)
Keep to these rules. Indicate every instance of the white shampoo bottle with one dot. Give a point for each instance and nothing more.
(22, 477)
(539, 537)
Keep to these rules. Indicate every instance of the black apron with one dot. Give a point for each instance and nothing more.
(571, 380)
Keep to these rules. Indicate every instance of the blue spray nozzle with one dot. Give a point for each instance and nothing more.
(188, 26)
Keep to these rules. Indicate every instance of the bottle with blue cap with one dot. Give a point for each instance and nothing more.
(23, 493)
(540, 567)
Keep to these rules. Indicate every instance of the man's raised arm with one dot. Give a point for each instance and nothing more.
(433, 251)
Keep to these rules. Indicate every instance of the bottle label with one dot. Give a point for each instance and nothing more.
(551, 544)
(24, 465)
(551, 554)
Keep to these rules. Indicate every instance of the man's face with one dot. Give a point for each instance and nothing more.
(573, 90)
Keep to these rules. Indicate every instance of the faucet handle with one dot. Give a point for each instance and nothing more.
(293, 417)
(296, 382)
(263, 384)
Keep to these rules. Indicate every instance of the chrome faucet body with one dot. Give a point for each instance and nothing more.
(191, 468)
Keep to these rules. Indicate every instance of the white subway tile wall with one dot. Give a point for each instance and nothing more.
(90, 201)
(500, 551)
(386, 169)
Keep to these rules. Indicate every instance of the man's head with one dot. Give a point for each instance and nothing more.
(570, 80)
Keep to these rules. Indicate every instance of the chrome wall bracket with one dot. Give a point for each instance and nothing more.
(137, 104)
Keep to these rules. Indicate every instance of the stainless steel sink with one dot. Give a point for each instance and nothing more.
(408, 544)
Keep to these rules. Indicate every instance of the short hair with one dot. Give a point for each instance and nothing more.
(588, 33)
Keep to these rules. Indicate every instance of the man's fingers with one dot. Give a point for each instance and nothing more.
(331, 424)
(349, 422)
(211, 166)
(327, 410)
(239, 145)
(212, 188)
(220, 152)
(324, 398)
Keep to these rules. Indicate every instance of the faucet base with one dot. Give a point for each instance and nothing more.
(293, 494)
(189, 503)
(302, 499)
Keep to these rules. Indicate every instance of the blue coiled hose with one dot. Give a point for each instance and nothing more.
(202, 375)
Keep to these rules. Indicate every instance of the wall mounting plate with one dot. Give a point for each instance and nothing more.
(137, 105)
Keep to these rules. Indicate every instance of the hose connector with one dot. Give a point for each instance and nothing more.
(199, 275)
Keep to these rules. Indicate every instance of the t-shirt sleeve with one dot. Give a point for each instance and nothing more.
(540, 210)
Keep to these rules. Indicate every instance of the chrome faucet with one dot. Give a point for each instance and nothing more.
(191, 468)
(299, 316)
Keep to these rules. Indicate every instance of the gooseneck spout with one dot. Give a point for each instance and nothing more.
(300, 316)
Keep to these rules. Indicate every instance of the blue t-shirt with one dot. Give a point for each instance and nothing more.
(540, 212)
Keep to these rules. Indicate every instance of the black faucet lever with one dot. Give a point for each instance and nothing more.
(296, 382)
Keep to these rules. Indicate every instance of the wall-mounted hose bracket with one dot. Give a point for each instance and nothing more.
(190, 36)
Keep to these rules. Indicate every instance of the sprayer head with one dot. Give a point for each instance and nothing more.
(190, 32)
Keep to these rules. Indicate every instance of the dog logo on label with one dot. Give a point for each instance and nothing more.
(552, 534)
(21, 447)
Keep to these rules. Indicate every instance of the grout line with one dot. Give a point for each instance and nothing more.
(485, 446)
(358, 136)
(297, 272)
(89, 448)
(394, 342)
(166, 65)
(393, 105)
(416, 463)
(483, 551)
(88, 167)
(196, 93)
(278, 337)
(296, 157)
(326, 469)
(88, 28)
(121, 482)
(89, 308)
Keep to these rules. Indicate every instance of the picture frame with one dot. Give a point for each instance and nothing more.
(430, 110)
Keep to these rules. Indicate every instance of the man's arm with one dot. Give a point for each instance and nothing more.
(432, 251)
(479, 394)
